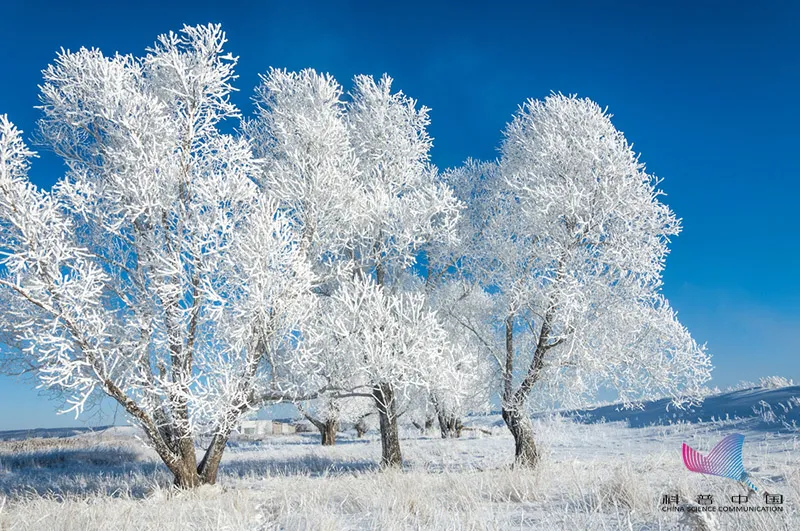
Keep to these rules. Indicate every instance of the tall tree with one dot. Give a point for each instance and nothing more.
(405, 203)
(468, 384)
(357, 179)
(309, 166)
(154, 271)
(308, 162)
(572, 244)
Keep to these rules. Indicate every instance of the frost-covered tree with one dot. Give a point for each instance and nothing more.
(452, 290)
(308, 164)
(388, 342)
(330, 411)
(154, 271)
(463, 389)
(357, 178)
(301, 135)
(467, 384)
(572, 243)
(364, 423)
(404, 202)
(324, 414)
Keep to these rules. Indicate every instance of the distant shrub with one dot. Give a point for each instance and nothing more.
(767, 382)
(775, 382)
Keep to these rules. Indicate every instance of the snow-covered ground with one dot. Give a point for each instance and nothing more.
(605, 469)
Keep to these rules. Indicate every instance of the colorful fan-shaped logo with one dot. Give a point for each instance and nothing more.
(724, 460)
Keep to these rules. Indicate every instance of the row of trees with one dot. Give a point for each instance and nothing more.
(316, 254)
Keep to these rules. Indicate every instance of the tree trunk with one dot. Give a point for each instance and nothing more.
(518, 422)
(425, 427)
(387, 414)
(185, 474)
(327, 428)
(521, 427)
(450, 426)
(175, 443)
(176, 453)
(209, 465)
(328, 431)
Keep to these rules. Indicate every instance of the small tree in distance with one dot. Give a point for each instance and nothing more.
(328, 412)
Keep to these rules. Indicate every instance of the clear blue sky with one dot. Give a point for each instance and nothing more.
(706, 91)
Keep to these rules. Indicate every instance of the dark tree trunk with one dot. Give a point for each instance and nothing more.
(450, 426)
(174, 442)
(188, 474)
(518, 422)
(426, 426)
(328, 431)
(209, 465)
(176, 451)
(387, 414)
(327, 428)
(521, 427)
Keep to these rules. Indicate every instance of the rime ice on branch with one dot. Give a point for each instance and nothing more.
(154, 271)
(355, 176)
(191, 274)
(570, 237)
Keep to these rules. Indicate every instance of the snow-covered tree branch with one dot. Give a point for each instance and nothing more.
(154, 271)
(318, 255)
(573, 247)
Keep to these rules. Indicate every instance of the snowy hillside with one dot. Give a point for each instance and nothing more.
(764, 409)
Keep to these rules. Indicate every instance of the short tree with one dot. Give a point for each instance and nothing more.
(573, 246)
(467, 384)
(154, 271)
(330, 411)
(462, 306)
(388, 342)
(364, 423)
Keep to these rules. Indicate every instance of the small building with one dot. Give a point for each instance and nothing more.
(260, 428)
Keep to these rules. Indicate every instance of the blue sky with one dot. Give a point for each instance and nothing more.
(707, 92)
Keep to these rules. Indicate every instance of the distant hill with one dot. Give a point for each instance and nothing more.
(13, 435)
(767, 409)
(45, 433)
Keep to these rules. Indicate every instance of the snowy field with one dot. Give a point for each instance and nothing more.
(605, 470)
